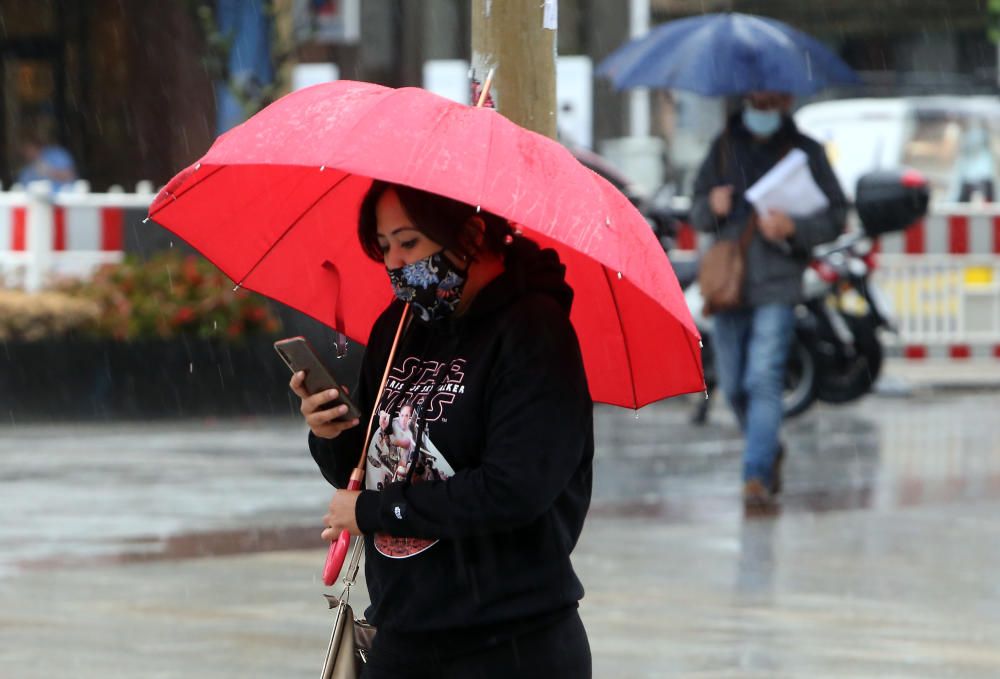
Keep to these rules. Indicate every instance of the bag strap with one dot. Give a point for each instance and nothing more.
(353, 566)
(747, 234)
(722, 159)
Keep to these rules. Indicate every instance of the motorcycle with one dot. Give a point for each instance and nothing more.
(836, 350)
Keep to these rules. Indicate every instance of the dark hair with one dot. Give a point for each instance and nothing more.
(443, 220)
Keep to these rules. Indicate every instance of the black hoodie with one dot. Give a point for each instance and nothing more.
(480, 531)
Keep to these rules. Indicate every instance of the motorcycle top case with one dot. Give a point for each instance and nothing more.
(890, 200)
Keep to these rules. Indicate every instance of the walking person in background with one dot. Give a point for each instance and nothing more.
(467, 552)
(975, 166)
(752, 340)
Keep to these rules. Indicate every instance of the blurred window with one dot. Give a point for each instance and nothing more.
(29, 104)
(932, 147)
(27, 19)
(949, 144)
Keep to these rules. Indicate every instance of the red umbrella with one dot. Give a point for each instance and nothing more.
(274, 204)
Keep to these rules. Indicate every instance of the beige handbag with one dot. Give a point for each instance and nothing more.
(351, 640)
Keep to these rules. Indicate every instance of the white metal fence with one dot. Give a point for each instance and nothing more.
(942, 302)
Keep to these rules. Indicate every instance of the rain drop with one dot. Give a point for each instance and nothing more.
(197, 166)
(322, 167)
(619, 275)
(145, 220)
(191, 368)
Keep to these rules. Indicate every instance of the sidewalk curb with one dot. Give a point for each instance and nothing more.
(903, 375)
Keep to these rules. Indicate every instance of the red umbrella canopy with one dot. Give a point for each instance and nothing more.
(274, 204)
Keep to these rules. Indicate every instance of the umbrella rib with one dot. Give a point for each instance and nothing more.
(628, 355)
(290, 227)
(187, 187)
(696, 357)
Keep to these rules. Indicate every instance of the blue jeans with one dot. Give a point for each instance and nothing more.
(751, 350)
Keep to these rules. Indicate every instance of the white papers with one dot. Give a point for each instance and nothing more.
(788, 187)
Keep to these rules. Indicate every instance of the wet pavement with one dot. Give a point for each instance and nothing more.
(191, 548)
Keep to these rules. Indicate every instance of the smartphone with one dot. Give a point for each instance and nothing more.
(298, 355)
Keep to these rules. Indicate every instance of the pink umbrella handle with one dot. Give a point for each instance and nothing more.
(338, 549)
(335, 558)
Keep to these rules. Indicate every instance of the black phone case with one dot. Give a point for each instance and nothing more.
(298, 355)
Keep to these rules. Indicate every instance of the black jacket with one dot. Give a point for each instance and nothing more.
(481, 531)
(774, 273)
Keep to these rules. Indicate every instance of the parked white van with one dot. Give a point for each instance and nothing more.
(952, 140)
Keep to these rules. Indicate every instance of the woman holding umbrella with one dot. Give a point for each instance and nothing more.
(492, 373)
(468, 567)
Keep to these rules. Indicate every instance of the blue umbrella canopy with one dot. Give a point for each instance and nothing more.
(723, 54)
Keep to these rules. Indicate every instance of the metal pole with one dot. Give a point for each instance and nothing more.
(517, 39)
(638, 24)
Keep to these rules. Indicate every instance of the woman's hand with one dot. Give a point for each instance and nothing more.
(776, 225)
(720, 200)
(323, 423)
(341, 515)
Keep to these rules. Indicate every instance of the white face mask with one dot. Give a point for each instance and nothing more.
(761, 123)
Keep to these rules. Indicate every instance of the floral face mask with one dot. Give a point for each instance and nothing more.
(433, 286)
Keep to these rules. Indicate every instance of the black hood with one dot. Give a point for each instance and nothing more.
(527, 269)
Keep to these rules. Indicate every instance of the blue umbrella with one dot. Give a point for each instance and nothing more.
(721, 54)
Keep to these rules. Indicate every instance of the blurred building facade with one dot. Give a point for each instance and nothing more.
(119, 83)
(127, 85)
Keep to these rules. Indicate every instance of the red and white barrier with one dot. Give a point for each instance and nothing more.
(942, 277)
(92, 228)
(13, 223)
(950, 228)
(46, 235)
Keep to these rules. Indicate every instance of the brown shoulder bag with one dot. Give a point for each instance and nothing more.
(722, 271)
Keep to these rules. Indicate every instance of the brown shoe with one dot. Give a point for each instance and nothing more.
(756, 494)
(777, 480)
